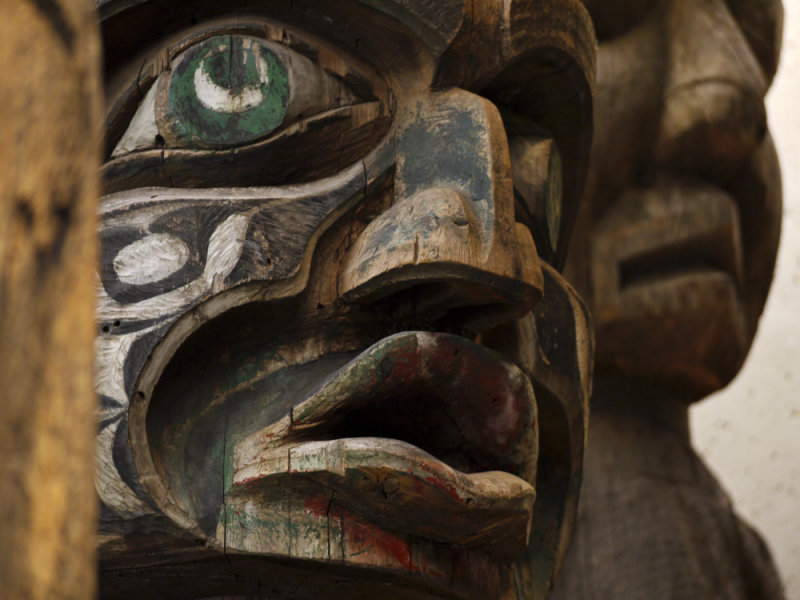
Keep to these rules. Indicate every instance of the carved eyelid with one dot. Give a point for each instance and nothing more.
(323, 80)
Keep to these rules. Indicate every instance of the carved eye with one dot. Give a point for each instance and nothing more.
(230, 90)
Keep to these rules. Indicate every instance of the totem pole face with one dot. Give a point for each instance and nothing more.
(676, 240)
(334, 357)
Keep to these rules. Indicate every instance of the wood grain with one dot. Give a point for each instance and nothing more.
(50, 93)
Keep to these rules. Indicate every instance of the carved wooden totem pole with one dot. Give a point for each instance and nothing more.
(674, 254)
(334, 354)
(49, 157)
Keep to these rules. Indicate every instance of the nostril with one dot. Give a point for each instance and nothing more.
(426, 258)
(463, 308)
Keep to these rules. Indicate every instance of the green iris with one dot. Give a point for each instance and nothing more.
(228, 90)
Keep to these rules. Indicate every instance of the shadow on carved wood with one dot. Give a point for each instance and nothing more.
(335, 355)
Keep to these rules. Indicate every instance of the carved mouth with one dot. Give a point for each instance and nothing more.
(667, 267)
(676, 231)
(289, 446)
(707, 245)
(418, 434)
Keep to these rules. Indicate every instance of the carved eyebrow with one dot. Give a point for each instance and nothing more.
(434, 22)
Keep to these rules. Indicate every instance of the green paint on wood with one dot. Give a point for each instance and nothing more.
(226, 91)
(554, 193)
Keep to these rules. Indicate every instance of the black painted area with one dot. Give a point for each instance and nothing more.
(557, 480)
(121, 327)
(112, 241)
(280, 233)
(555, 328)
(436, 22)
(123, 461)
(273, 247)
(448, 147)
(195, 572)
(550, 89)
(561, 410)
(139, 353)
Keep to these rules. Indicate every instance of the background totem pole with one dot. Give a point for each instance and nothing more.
(674, 253)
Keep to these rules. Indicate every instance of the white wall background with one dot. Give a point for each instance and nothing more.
(749, 433)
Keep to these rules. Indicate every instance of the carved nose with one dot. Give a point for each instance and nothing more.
(714, 115)
(452, 222)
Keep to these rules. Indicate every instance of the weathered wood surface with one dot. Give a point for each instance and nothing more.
(680, 135)
(50, 98)
(653, 521)
(674, 253)
(327, 342)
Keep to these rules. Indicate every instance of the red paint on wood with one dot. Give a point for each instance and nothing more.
(364, 537)
(446, 487)
(405, 366)
(317, 505)
(435, 480)
(368, 537)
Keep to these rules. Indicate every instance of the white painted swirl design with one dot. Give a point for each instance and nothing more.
(150, 259)
(111, 351)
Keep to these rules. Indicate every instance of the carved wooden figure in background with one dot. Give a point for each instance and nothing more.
(674, 254)
(335, 356)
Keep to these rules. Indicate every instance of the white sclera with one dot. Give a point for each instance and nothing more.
(150, 259)
(141, 133)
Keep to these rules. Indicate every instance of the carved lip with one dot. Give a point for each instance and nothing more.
(675, 229)
(439, 392)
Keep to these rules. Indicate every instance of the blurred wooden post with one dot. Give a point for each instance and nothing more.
(49, 132)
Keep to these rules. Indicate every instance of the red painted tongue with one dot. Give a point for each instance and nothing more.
(446, 384)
